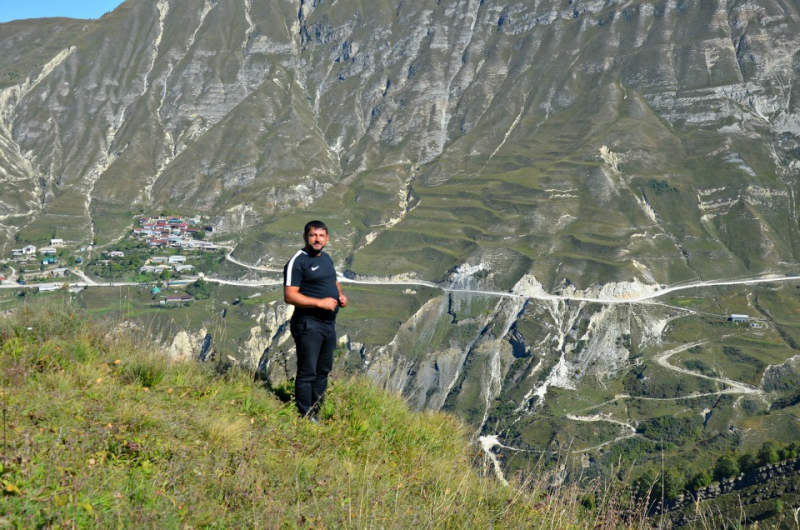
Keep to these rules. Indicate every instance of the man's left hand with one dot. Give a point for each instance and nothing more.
(342, 300)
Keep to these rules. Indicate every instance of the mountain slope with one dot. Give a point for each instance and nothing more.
(478, 125)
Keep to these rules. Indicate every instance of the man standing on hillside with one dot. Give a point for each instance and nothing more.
(310, 286)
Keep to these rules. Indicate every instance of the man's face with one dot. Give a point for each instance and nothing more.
(316, 239)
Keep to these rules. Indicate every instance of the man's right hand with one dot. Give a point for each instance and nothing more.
(329, 304)
(291, 295)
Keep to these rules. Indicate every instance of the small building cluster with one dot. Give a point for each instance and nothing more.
(47, 253)
(31, 250)
(186, 234)
(161, 232)
(159, 264)
(744, 319)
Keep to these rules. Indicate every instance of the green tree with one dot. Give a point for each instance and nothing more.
(656, 486)
(668, 486)
(700, 480)
(769, 453)
(645, 486)
(747, 462)
(200, 289)
(727, 467)
(674, 483)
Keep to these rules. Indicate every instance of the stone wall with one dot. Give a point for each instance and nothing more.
(757, 477)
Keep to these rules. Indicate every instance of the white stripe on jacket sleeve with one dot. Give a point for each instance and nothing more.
(289, 267)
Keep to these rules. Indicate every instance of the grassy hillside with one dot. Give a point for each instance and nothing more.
(100, 431)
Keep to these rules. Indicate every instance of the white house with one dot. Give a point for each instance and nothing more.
(116, 254)
(158, 270)
(177, 259)
(184, 268)
(29, 250)
(44, 251)
(56, 242)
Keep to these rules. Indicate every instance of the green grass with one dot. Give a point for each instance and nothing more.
(100, 431)
(685, 301)
(375, 313)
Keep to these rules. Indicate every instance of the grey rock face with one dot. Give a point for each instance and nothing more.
(207, 106)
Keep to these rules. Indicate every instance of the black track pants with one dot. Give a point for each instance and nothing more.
(315, 341)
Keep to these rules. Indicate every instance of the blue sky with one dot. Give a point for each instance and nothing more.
(16, 9)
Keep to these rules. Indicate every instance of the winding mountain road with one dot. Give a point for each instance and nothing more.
(734, 387)
(628, 299)
(643, 297)
(229, 257)
(731, 387)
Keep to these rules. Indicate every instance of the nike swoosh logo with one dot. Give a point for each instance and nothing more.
(315, 268)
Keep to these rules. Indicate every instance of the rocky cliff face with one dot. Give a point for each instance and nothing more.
(609, 140)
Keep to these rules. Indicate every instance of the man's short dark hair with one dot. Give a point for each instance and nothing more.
(314, 224)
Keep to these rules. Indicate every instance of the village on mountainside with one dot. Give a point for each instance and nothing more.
(160, 250)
